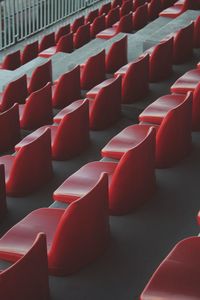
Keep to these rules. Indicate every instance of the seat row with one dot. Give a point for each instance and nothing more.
(180, 7)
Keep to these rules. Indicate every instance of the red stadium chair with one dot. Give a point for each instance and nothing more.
(105, 8)
(77, 23)
(30, 52)
(112, 17)
(97, 26)
(126, 8)
(11, 62)
(82, 36)
(116, 3)
(188, 82)
(154, 8)
(47, 41)
(140, 17)
(175, 10)
(40, 77)
(92, 16)
(63, 30)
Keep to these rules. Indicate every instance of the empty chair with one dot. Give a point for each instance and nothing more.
(82, 36)
(172, 116)
(11, 61)
(84, 222)
(127, 190)
(177, 275)
(9, 128)
(140, 17)
(29, 168)
(160, 60)
(77, 23)
(135, 79)
(30, 52)
(126, 7)
(40, 77)
(116, 3)
(47, 41)
(70, 137)
(124, 25)
(187, 82)
(93, 71)
(154, 8)
(176, 10)
(105, 108)
(112, 17)
(63, 30)
(91, 16)
(105, 8)
(183, 44)
(27, 278)
(15, 91)
(67, 88)
(117, 55)
(138, 3)
(3, 204)
(197, 33)
(98, 25)
(37, 110)
(65, 44)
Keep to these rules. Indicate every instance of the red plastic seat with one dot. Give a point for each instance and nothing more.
(98, 25)
(197, 33)
(47, 41)
(84, 222)
(117, 55)
(9, 128)
(40, 77)
(127, 190)
(3, 204)
(112, 17)
(138, 3)
(37, 110)
(176, 122)
(91, 94)
(116, 3)
(187, 82)
(67, 88)
(92, 16)
(160, 60)
(27, 278)
(126, 8)
(65, 44)
(93, 71)
(154, 8)
(183, 44)
(175, 10)
(63, 30)
(77, 23)
(140, 17)
(82, 36)
(124, 25)
(105, 8)
(15, 91)
(68, 139)
(12, 61)
(135, 80)
(30, 168)
(177, 275)
(30, 52)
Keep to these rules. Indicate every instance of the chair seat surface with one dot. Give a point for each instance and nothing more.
(67, 110)
(48, 52)
(187, 82)
(122, 70)
(107, 33)
(171, 12)
(94, 91)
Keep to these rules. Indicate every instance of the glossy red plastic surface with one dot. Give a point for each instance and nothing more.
(154, 8)
(175, 10)
(117, 55)
(126, 8)
(82, 36)
(112, 17)
(98, 25)
(63, 30)
(105, 8)
(95, 90)
(40, 77)
(140, 17)
(91, 16)
(47, 41)
(11, 61)
(77, 23)
(30, 52)
(84, 222)
(187, 82)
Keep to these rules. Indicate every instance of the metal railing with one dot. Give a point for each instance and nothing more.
(20, 19)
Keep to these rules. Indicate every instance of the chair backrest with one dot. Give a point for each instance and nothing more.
(32, 166)
(112, 17)
(134, 178)
(65, 43)
(63, 30)
(197, 33)
(140, 17)
(9, 128)
(161, 61)
(67, 89)
(173, 139)
(47, 41)
(94, 71)
(138, 3)
(15, 91)
(84, 222)
(3, 204)
(154, 8)
(183, 44)
(38, 109)
(117, 55)
(72, 135)
(196, 109)
(40, 76)
(126, 8)
(107, 106)
(91, 16)
(135, 83)
(125, 23)
(105, 8)
(77, 23)
(98, 25)
(12, 61)
(82, 36)
(30, 52)
(28, 277)
(116, 3)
